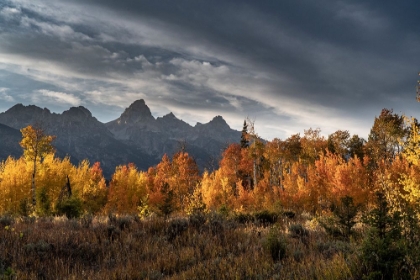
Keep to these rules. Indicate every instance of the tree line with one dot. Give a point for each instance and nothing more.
(306, 172)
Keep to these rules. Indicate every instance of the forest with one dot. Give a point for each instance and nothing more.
(306, 207)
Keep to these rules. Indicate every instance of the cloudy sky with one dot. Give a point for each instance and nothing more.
(287, 65)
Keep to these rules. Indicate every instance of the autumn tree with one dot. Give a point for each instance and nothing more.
(274, 153)
(384, 138)
(410, 180)
(230, 165)
(185, 177)
(338, 143)
(88, 183)
(51, 178)
(127, 189)
(36, 145)
(255, 151)
(356, 146)
(312, 145)
(15, 190)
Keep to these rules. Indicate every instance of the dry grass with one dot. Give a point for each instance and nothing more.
(129, 248)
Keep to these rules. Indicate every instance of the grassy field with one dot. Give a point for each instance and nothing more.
(202, 246)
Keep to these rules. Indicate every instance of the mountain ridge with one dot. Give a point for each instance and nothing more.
(136, 136)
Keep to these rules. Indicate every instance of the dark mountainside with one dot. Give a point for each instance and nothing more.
(9, 142)
(137, 127)
(79, 135)
(136, 136)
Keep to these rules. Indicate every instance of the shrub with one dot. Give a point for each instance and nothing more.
(265, 217)
(298, 231)
(86, 220)
(243, 218)
(167, 206)
(289, 214)
(144, 208)
(24, 207)
(176, 227)
(346, 213)
(197, 219)
(40, 248)
(330, 226)
(275, 244)
(123, 222)
(6, 220)
(43, 203)
(224, 210)
(113, 233)
(331, 248)
(216, 223)
(384, 249)
(71, 207)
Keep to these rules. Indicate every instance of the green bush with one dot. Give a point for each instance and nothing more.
(243, 218)
(176, 227)
(43, 203)
(167, 207)
(330, 248)
(384, 250)
(346, 213)
(289, 214)
(197, 219)
(6, 220)
(275, 244)
(298, 231)
(224, 210)
(71, 207)
(266, 217)
(24, 207)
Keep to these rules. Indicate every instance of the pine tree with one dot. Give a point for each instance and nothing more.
(244, 136)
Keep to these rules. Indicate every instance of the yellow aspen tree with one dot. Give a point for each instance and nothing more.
(52, 176)
(208, 191)
(411, 153)
(88, 183)
(36, 145)
(126, 190)
(15, 187)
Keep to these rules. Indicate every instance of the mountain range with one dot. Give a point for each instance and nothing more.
(135, 137)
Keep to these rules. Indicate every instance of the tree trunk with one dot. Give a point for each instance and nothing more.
(33, 185)
(255, 173)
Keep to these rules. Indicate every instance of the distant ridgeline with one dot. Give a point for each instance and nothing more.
(135, 137)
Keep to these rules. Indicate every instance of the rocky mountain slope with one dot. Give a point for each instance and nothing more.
(9, 142)
(137, 127)
(136, 136)
(79, 135)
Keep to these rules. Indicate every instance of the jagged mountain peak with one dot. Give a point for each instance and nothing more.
(169, 116)
(138, 105)
(20, 107)
(219, 121)
(78, 112)
(136, 136)
(137, 111)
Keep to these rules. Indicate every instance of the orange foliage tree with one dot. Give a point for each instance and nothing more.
(127, 188)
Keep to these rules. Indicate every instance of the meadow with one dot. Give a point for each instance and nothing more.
(201, 246)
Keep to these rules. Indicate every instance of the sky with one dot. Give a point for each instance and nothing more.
(286, 65)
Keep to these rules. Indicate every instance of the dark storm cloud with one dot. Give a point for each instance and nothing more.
(288, 64)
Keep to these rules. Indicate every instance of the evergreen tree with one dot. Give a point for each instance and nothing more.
(244, 136)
